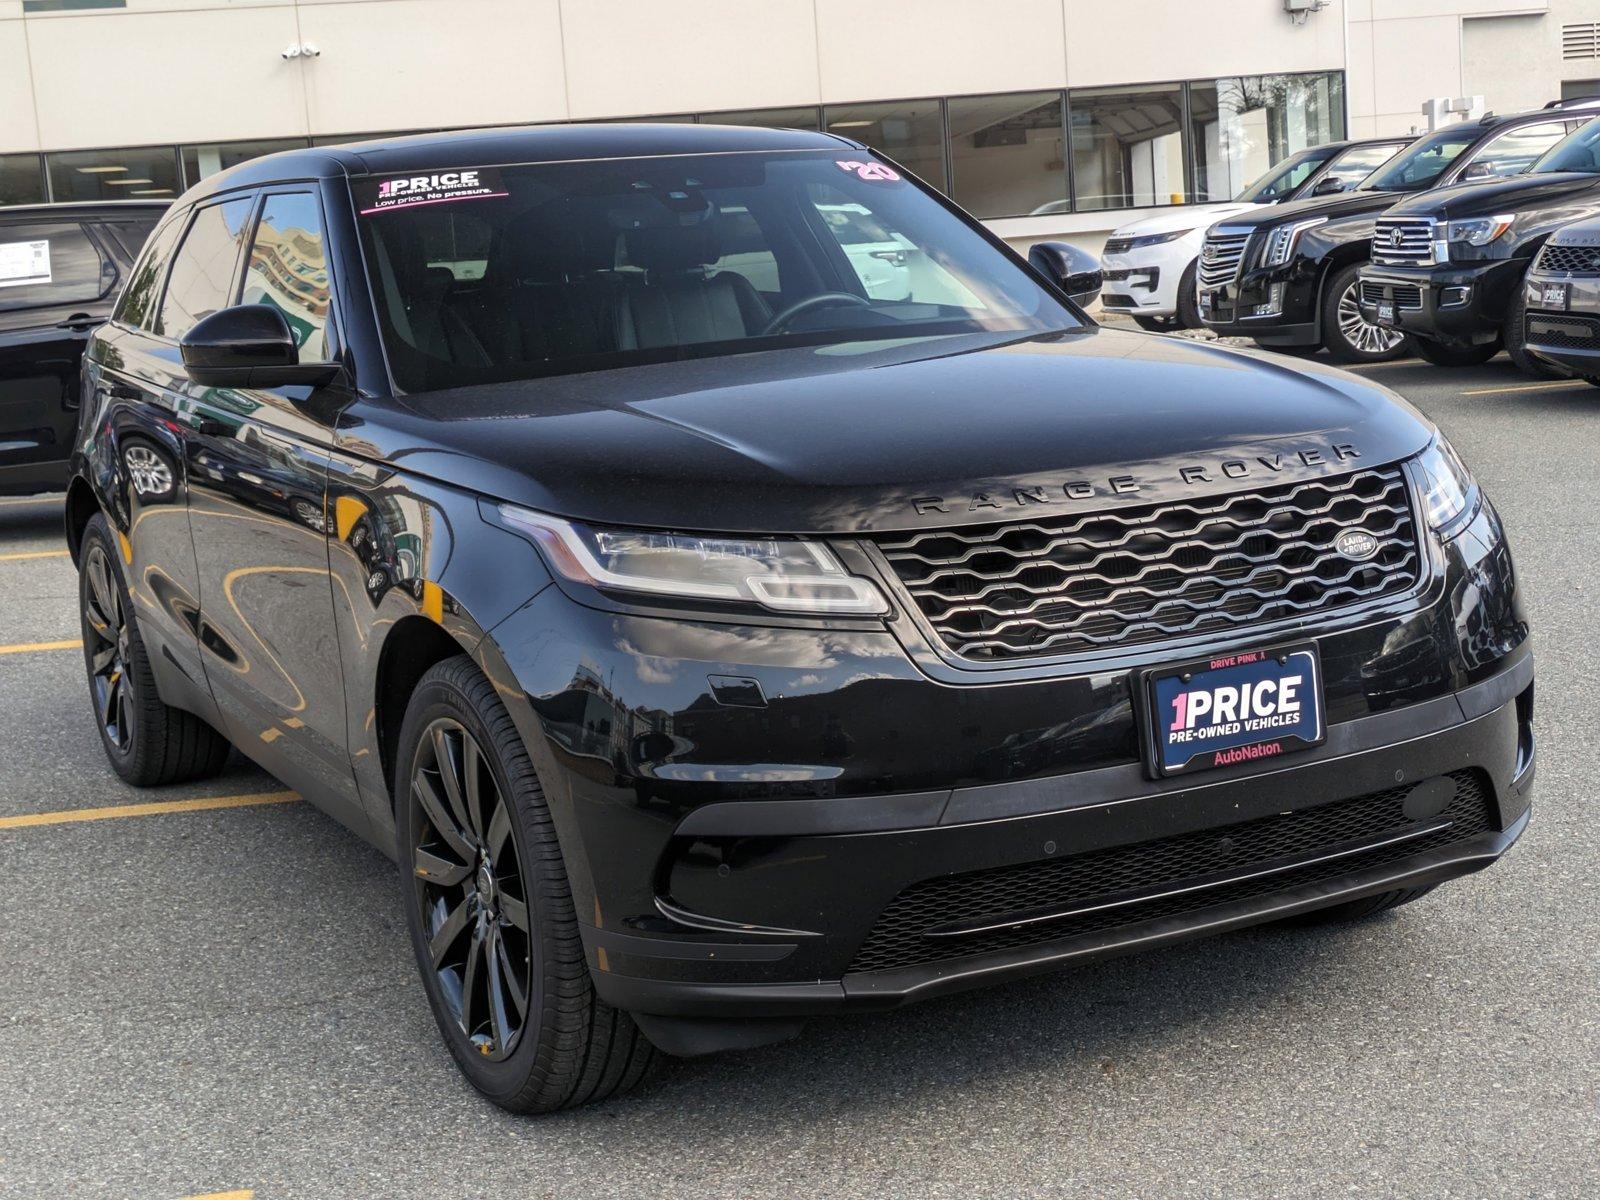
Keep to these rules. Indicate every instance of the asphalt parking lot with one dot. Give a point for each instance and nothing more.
(222, 999)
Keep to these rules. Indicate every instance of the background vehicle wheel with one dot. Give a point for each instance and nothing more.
(149, 743)
(1367, 906)
(1443, 354)
(490, 912)
(1350, 337)
(1189, 299)
(1155, 324)
(1513, 332)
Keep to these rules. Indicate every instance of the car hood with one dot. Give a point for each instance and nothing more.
(1187, 218)
(1487, 197)
(1332, 208)
(893, 436)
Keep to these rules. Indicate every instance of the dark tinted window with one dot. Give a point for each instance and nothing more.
(288, 269)
(1516, 150)
(50, 263)
(1578, 151)
(1419, 164)
(131, 231)
(1285, 177)
(205, 269)
(137, 304)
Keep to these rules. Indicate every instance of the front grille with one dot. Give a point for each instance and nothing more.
(1231, 858)
(1574, 260)
(1072, 584)
(1406, 240)
(1118, 245)
(1406, 295)
(1221, 255)
(1566, 332)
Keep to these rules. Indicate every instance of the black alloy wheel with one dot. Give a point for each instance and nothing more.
(106, 646)
(147, 741)
(471, 890)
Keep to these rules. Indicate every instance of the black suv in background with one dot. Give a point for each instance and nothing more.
(1447, 267)
(61, 265)
(1287, 276)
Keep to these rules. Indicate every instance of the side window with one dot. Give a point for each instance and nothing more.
(1351, 167)
(137, 306)
(888, 265)
(1515, 150)
(48, 264)
(203, 274)
(132, 232)
(289, 269)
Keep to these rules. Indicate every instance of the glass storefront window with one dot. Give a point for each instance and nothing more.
(769, 118)
(143, 174)
(1245, 124)
(1127, 146)
(200, 161)
(909, 131)
(1008, 154)
(21, 179)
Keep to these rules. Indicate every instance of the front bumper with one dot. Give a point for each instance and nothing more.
(1463, 303)
(1568, 335)
(736, 852)
(1144, 282)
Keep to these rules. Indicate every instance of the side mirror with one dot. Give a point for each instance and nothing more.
(1328, 187)
(248, 346)
(1074, 271)
(1478, 170)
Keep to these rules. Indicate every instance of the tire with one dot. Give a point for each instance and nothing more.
(1154, 324)
(1348, 336)
(149, 743)
(1513, 333)
(1367, 906)
(494, 873)
(1443, 354)
(1189, 299)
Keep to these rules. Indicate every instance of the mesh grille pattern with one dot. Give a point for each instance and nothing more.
(1575, 260)
(1568, 332)
(1071, 584)
(1406, 295)
(898, 939)
(1118, 245)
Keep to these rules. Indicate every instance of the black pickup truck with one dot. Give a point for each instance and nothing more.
(1287, 276)
(1448, 267)
(61, 266)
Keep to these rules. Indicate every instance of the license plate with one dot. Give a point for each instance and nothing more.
(1234, 708)
(1555, 295)
(1386, 312)
(1208, 301)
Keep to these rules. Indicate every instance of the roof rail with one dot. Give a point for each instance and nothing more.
(1589, 101)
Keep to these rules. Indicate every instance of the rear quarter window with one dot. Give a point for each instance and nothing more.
(50, 264)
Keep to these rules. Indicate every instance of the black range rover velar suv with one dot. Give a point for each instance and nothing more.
(723, 631)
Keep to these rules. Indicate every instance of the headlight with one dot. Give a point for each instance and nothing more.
(1282, 241)
(1154, 239)
(783, 574)
(1447, 485)
(1479, 231)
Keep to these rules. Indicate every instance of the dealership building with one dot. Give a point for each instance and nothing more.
(1045, 117)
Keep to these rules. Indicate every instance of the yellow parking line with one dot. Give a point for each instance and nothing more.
(30, 647)
(69, 815)
(1530, 387)
(33, 554)
(33, 500)
(246, 1195)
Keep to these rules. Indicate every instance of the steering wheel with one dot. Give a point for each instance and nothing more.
(820, 300)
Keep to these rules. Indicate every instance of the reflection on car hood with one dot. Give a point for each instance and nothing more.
(1344, 204)
(902, 435)
(1485, 197)
(1191, 217)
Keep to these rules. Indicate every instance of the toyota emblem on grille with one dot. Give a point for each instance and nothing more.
(1397, 237)
(1356, 543)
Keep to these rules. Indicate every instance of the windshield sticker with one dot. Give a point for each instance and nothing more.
(22, 263)
(443, 187)
(872, 172)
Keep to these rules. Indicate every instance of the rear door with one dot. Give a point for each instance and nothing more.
(56, 281)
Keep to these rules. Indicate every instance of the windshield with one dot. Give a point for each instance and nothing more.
(1421, 163)
(499, 273)
(1286, 176)
(1578, 151)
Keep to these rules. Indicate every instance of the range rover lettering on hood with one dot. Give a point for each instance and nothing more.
(1254, 467)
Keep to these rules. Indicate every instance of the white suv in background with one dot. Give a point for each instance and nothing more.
(1149, 265)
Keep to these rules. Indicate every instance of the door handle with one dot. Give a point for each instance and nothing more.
(81, 323)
